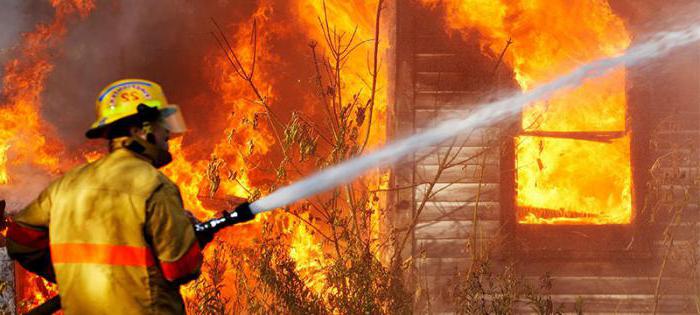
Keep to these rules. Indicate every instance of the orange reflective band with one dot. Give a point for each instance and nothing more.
(186, 265)
(104, 254)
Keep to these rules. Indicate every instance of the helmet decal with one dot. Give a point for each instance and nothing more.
(133, 83)
(126, 93)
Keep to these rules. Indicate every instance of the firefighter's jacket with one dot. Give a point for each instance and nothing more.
(118, 237)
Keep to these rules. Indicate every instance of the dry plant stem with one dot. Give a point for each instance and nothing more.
(679, 208)
(318, 130)
(443, 164)
(374, 73)
(243, 186)
(500, 57)
(353, 210)
(313, 226)
(475, 219)
(426, 197)
(270, 115)
(248, 77)
(334, 51)
(657, 288)
(333, 104)
(322, 92)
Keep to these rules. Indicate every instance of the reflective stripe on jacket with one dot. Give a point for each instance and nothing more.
(118, 238)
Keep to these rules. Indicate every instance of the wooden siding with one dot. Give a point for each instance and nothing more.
(619, 270)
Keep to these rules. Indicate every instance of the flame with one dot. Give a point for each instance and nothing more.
(356, 17)
(92, 156)
(348, 17)
(188, 176)
(246, 139)
(309, 257)
(22, 130)
(231, 163)
(561, 180)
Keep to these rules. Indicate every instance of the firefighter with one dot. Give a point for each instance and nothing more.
(113, 233)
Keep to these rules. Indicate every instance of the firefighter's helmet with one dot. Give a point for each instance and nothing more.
(121, 99)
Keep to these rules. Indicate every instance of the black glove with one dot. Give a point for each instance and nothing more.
(205, 231)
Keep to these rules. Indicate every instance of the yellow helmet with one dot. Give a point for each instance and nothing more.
(121, 99)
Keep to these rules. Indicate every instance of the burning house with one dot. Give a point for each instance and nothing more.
(596, 187)
(587, 201)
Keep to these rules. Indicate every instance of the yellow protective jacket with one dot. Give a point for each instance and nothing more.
(118, 237)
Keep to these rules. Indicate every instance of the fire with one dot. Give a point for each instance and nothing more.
(573, 158)
(309, 257)
(22, 129)
(359, 18)
(237, 161)
(92, 156)
(348, 17)
(246, 138)
(188, 176)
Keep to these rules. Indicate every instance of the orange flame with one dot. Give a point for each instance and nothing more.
(561, 179)
(358, 18)
(22, 130)
(244, 141)
(248, 139)
(238, 159)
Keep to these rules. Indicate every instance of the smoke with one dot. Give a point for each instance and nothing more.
(12, 26)
(17, 17)
(658, 45)
(167, 41)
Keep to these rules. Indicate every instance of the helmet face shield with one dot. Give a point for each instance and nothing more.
(171, 118)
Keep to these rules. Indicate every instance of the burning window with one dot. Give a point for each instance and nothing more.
(573, 155)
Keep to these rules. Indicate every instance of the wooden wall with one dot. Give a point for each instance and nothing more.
(641, 268)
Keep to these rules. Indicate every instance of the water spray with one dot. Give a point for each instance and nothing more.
(487, 113)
